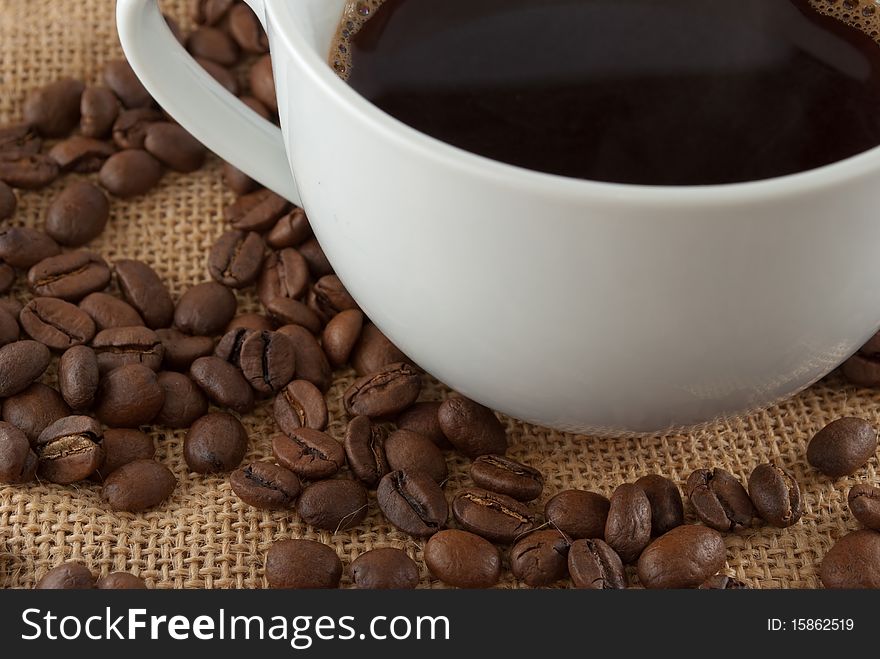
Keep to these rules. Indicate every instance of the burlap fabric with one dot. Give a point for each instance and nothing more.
(205, 537)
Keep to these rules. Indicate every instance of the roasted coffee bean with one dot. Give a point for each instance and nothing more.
(257, 106)
(7, 278)
(121, 581)
(328, 297)
(776, 495)
(205, 309)
(28, 172)
(174, 147)
(251, 321)
(98, 109)
(266, 485)
(71, 575)
(53, 110)
(213, 44)
(246, 30)
(667, 509)
(223, 383)
(471, 428)
(682, 558)
(842, 447)
(462, 559)
(209, 12)
(144, 291)
(110, 312)
(384, 393)
(81, 154)
(720, 500)
(21, 362)
(290, 230)
(184, 401)
(22, 247)
(333, 505)
(384, 568)
(852, 561)
(121, 446)
(138, 485)
(130, 173)
(310, 454)
(11, 306)
(862, 370)
(129, 396)
(540, 558)
(871, 347)
(423, 419)
(215, 443)
(496, 517)
(723, 582)
(257, 211)
(18, 463)
(293, 312)
(314, 255)
(237, 181)
(69, 276)
(19, 138)
(285, 274)
(236, 258)
(505, 476)
(78, 214)
(864, 503)
(413, 502)
(365, 450)
(119, 346)
(9, 330)
(267, 361)
(130, 128)
(56, 323)
(34, 409)
(594, 565)
(409, 451)
(311, 362)
(263, 82)
(8, 201)
(119, 76)
(69, 450)
(182, 350)
(221, 74)
(302, 564)
(341, 334)
(229, 347)
(8, 308)
(578, 513)
(628, 527)
(373, 351)
(300, 405)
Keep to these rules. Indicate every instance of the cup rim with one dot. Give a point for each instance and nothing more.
(317, 68)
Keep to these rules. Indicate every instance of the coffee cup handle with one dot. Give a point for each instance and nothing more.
(198, 102)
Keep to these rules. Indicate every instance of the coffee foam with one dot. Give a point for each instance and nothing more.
(355, 14)
(861, 14)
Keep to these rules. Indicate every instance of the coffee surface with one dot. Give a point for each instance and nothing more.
(671, 92)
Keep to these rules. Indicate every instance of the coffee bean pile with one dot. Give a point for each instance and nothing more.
(140, 359)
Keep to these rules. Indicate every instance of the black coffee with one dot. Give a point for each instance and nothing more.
(657, 92)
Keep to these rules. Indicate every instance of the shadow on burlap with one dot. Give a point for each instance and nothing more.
(204, 537)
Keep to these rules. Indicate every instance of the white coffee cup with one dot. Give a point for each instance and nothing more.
(580, 305)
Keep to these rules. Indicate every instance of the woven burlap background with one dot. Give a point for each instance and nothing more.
(204, 537)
